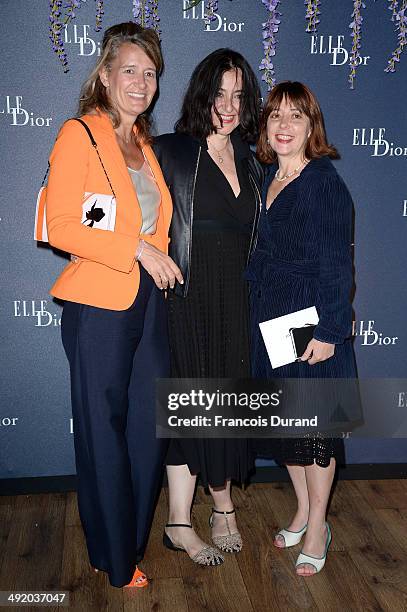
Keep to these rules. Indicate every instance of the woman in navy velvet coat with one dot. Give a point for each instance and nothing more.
(302, 259)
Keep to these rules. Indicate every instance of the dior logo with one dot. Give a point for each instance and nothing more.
(79, 35)
(219, 24)
(37, 309)
(8, 421)
(20, 116)
(333, 46)
(371, 337)
(375, 137)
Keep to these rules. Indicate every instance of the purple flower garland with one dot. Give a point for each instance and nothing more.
(211, 7)
(356, 27)
(55, 31)
(312, 14)
(70, 10)
(270, 28)
(99, 15)
(145, 13)
(137, 12)
(400, 17)
(393, 8)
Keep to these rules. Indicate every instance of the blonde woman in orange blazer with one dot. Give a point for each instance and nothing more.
(114, 326)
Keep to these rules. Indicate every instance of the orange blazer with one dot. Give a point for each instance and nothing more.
(104, 272)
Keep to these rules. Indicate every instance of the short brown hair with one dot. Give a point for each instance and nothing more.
(94, 93)
(303, 99)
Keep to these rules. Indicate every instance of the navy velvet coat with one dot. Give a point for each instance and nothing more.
(303, 258)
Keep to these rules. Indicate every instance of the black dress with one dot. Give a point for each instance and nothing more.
(302, 259)
(209, 330)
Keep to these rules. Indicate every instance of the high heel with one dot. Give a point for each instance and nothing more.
(207, 556)
(138, 581)
(291, 538)
(316, 562)
(232, 542)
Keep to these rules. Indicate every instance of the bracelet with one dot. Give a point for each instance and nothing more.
(140, 250)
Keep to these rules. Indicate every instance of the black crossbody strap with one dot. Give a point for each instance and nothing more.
(45, 177)
(94, 145)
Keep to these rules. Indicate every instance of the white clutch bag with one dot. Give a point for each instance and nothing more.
(278, 338)
(99, 211)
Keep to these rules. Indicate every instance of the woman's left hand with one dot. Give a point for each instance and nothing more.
(317, 351)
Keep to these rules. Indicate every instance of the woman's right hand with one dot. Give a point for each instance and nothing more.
(160, 266)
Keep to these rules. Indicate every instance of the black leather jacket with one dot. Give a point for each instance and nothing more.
(178, 156)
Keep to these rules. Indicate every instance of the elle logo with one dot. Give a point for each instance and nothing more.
(37, 310)
(333, 45)
(20, 116)
(375, 137)
(79, 35)
(219, 24)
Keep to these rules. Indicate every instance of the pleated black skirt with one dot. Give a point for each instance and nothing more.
(209, 338)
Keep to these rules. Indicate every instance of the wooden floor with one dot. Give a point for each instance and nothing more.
(42, 548)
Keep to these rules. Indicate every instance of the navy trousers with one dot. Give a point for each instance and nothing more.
(115, 357)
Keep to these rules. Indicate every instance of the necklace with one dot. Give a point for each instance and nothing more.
(290, 174)
(219, 151)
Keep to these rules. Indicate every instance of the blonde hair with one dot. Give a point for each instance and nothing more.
(93, 93)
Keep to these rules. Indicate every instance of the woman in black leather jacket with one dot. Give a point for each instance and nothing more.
(215, 183)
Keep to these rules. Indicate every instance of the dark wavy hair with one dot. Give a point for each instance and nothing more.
(303, 99)
(94, 95)
(203, 87)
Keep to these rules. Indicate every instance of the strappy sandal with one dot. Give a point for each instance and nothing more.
(207, 556)
(291, 538)
(232, 542)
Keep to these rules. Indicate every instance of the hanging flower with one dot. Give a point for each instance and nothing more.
(270, 29)
(55, 32)
(312, 14)
(356, 27)
(401, 27)
(153, 18)
(58, 24)
(138, 13)
(99, 15)
(71, 7)
(145, 13)
(211, 7)
(393, 8)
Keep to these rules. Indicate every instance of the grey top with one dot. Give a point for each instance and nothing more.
(148, 195)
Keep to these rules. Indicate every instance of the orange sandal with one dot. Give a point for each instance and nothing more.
(138, 581)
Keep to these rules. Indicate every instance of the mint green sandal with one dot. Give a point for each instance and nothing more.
(316, 562)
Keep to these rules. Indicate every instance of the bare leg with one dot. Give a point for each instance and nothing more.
(181, 486)
(298, 478)
(319, 483)
(222, 501)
